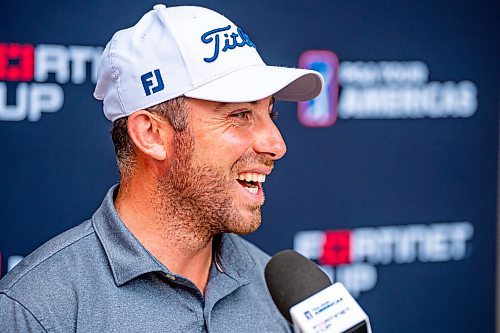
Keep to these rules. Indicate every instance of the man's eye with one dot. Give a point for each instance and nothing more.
(241, 115)
(273, 115)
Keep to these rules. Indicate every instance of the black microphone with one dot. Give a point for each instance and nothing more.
(305, 296)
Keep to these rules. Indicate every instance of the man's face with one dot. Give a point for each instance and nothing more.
(218, 166)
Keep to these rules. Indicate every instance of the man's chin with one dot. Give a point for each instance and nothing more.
(246, 230)
(246, 224)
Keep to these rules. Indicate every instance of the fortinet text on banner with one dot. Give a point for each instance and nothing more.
(31, 77)
(350, 256)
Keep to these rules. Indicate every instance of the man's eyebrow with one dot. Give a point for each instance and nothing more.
(222, 105)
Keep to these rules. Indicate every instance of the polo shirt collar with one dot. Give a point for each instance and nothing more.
(128, 258)
(233, 258)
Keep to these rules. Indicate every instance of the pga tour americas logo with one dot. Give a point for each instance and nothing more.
(31, 77)
(381, 90)
(350, 256)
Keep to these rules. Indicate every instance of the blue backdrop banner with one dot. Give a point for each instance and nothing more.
(389, 182)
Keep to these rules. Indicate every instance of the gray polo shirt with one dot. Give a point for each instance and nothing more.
(97, 277)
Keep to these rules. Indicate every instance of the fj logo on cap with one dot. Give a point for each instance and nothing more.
(147, 82)
(230, 40)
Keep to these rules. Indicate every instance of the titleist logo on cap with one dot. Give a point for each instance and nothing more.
(230, 41)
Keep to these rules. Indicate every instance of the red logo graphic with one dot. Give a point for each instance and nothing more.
(337, 248)
(17, 62)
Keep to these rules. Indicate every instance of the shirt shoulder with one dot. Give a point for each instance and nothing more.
(46, 283)
(38, 265)
(12, 311)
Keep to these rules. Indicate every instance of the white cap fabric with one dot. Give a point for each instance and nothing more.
(195, 52)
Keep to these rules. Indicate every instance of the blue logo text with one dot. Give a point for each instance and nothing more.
(147, 82)
(230, 40)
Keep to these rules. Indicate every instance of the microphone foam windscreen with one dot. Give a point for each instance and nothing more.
(292, 278)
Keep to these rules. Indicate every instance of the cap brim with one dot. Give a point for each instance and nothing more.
(256, 82)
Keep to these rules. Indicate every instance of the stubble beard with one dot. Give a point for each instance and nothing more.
(196, 199)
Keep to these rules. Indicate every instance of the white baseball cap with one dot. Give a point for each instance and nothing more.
(195, 52)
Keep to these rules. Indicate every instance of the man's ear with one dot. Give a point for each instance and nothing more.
(150, 135)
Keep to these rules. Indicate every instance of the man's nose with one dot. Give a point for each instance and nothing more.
(269, 141)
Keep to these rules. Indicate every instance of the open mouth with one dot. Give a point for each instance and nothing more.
(251, 181)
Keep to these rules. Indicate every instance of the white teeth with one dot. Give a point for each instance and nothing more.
(250, 176)
(252, 190)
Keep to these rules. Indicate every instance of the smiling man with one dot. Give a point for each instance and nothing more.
(192, 108)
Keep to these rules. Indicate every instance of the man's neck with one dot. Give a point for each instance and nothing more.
(175, 243)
